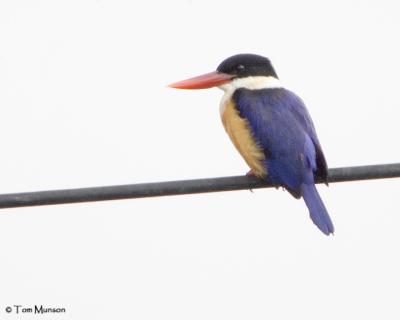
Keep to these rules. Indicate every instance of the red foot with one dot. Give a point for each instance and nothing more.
(251, 174)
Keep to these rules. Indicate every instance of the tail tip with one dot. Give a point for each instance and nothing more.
(318, 213)
(323, 222)
(327, 230)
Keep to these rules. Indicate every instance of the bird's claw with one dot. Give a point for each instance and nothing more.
(251, 175)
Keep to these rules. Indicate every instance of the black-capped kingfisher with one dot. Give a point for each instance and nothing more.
(270, 127)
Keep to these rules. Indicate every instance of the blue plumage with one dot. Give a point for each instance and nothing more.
(284, 130)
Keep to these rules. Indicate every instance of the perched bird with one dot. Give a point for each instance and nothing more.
(270, 127)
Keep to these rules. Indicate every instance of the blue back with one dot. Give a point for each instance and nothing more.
(283, 128)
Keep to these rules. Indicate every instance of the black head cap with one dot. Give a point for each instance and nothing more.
(247, 65)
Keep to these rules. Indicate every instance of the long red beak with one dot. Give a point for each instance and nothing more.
(208, 80)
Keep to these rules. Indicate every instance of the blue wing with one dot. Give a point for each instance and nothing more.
(282, 126)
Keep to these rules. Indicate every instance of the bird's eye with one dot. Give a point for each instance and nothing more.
(240, 68)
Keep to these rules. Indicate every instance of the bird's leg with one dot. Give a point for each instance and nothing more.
(252, 175)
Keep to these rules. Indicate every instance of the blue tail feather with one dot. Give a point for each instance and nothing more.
(318, 213)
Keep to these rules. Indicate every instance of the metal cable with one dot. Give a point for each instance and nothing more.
(169, 188)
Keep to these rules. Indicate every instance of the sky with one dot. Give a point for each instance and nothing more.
(84, 103)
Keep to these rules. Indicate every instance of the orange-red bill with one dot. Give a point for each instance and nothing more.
(204, 81)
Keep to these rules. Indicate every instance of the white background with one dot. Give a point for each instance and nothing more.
(84, 102)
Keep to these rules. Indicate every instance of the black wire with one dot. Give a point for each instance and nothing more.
(156, 189)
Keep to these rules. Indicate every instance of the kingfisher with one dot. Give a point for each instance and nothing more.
(270, 127)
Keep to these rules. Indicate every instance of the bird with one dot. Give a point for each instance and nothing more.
(270, 127)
